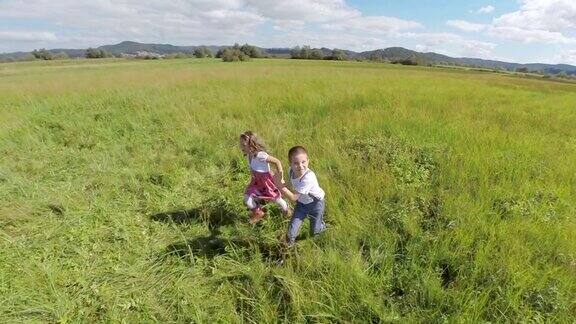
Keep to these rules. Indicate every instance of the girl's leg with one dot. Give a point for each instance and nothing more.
(282, 203)
(250, 202)
(256, 212)
(295, 223)
(317, 225)
(254, 205)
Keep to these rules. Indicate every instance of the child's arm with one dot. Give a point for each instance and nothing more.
(277, 164)
(281, 184)
(307, 183)
(293, 197)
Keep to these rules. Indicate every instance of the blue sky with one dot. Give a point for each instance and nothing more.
(512, 30)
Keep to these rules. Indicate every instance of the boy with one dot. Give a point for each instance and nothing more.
(308, 195)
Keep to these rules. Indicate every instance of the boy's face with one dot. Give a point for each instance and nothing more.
(299, 164)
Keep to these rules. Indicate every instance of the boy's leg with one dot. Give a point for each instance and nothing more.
(317, 225)
(295, 223)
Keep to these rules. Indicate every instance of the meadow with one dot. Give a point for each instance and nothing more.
(451, 194)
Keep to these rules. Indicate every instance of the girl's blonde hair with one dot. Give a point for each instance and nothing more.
(255, 143)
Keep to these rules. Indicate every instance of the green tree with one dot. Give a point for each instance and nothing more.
(316, 54)
(177, 55)
(251, 51)
(42, 54)
(338, 55)
(27, 57)
(203, 51)
(234, 54)
(295, 52)
(61, 56)
(97, 53)
(305, 52)
(411, 60)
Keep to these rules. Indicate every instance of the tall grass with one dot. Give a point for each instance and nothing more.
(450, 194)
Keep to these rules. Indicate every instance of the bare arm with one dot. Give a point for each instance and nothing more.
(281, 184)
(287, 193)
(279, 179)
(277, 164)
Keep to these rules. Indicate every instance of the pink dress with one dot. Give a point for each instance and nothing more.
(262, 184)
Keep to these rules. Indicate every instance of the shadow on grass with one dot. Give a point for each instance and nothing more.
(214, 214)
(214, 245)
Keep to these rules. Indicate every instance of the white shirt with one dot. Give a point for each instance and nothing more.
(258, 163)
(307, 186)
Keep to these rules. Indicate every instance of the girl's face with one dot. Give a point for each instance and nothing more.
(244, 146)
(299, 164)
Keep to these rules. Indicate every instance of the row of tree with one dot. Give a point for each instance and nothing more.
(44, 54)
(240, 53)
(95, 53)
(307, 53)
(228, 54)
(246, 52)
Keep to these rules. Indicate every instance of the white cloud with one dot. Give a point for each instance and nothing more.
(178, 21)
(305, 10)
(549, 15)
(333, 15)
(566, 57)
(434, 39)
(465, 25)
(286, 25)
(27, 36)
(341, 40)
(530, 35)
(486, 9)
(373, 24)
(474, 48)
(203, 21)
(274, 23)
(538, 21)
(453, 45)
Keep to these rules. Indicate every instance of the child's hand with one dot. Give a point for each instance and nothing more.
(279, 180)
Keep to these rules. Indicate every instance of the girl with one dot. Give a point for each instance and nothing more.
(262, 186)
(309, 197)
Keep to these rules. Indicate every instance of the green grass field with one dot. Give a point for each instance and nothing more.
(451, 194)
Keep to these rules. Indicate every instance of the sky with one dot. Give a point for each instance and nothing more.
(523, 31)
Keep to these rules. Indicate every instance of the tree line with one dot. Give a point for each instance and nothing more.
(246, 52)
(307, 53)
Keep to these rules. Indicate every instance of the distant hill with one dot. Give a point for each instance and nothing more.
(133, 47)
(399, 53)
(386, 54)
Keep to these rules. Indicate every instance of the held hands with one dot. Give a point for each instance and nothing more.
(281, 184)
(279, 180)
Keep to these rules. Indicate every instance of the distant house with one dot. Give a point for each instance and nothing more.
(144, 55)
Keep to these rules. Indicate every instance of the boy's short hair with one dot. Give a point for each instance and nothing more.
(296, 150)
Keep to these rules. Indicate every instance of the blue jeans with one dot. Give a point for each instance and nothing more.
(315, 210)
